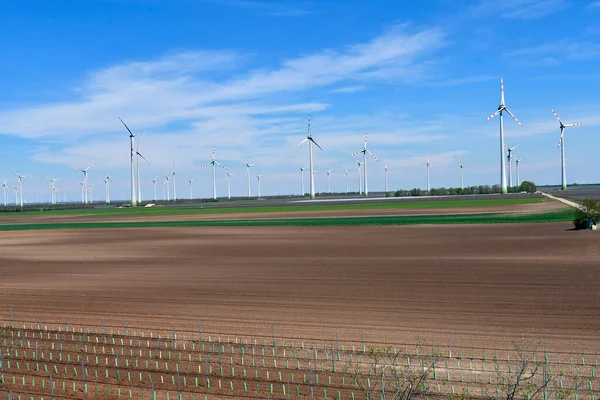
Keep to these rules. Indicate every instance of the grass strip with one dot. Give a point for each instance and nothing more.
(491, 218)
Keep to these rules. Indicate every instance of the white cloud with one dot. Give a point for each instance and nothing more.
(594, 4)
(561, 51)
(349, 89)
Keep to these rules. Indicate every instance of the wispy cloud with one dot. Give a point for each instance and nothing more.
(520, 9)
(594, 4)
(565, 50)
(349, 89)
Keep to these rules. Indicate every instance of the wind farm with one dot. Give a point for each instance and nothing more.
(299, 200)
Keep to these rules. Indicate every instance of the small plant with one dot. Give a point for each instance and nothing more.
(528, 186)
(588, 213)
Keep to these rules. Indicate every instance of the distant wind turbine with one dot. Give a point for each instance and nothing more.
(85, 179)
(518, 162)
(428, 164)
(462, 182)
(5, 187)
(82, 183)
(20, 184)
(364, 152)
(310, 141)
(190, 181)
(258, 177)
(248, 166)
(154, 185)
(214, 176)
(139, 182)
(386, 170)
(561, 143)
(132, 154)
(174, 185)
(52, 188)
(347, 175)
(501, 109)
(302, 192)
(107, 181)
(328, 173)
(359, 176)
(168, 187)
(509, 157)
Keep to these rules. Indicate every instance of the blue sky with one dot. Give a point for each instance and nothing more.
(243, 75)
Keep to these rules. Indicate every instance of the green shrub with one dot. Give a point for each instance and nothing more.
(528, 186)
(589, 211)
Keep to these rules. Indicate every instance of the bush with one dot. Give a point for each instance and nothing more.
(589, 211)
(528, 186)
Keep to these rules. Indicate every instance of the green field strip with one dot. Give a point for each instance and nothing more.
(215, 208)
(489, 218)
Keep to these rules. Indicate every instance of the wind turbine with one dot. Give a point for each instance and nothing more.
(561, 143)
(214, 176)
(509, 157)
(52, 188)
(154, 184)
(5, 186)
(248, 166)
(174, 185)
(85, 178)
(17, 193)
(90, 186)
(462, 182)
(310, 141)
(190, 181)
(55, 190)
(359, 176)
(501, 109)
(328, 173)
(164, 189)
(20, 184)
(168, 187)
(228, 176)
(132, 153)
(82, 183)
(138, 155)
(258, 177)
(364, 151)
(107, 181)
(302, 192)
(386, 169)
(428, 164)
(518, 161)
(347, 175)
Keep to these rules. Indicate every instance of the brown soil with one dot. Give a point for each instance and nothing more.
(471, 285)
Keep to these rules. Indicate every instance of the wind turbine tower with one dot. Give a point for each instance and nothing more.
(302, 192)
(190, 181)
(139, 182)
(107, 181)
(561, 143)
(509, 157)
(20, 185)
(518, 181)
(52, 189)
(310, 141)
(5, 187)
(174, 185)
(258, 177)
(347, 175)
(132, 154)
(501, 109)
(168, 187)
(428, 164)
(328, 173)
(364, 152)
(248, 166)
(154, 185)
(214, 176)
(462, 181)
(386, 170)
(85, 179)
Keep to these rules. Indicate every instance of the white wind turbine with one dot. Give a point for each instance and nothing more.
(359, 176)
(17, 193)
(248, 166)
(57, 195)
(214, 176)
(20, 184)
(258, 177)
(137, 161)
(387, 170)
(364, 151)
(302, 192)
(5, 187)
(228, 176)
(310, 141)
(132, 154)
(328, 173)
(518, 161)
(154, 185)
(190, 181)
(52, 188)
(82, 183)
(168, 187)
(85, 179)
(501, 109)
(90, 187)
(428, 164)
(509, 157)
(347, 175)
(462, 182)
(174, 185)
(107, 181)
(164, 189)
(561, 143)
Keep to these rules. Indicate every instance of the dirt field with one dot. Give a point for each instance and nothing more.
(468, 285)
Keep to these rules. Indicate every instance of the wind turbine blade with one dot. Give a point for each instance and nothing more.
(244, 161)
(556, 115)
(569, 125)
(373, 155)
(316, 144)
(512, 115)
(502, 88)
(355, 154)
(492, 116)
(305, 140)
(205, 165)
(131, 133)
(139, 154)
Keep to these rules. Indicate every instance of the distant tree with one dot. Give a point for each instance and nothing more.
(415, 192)
(495, 189)
(528, 186)
(588, 211)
